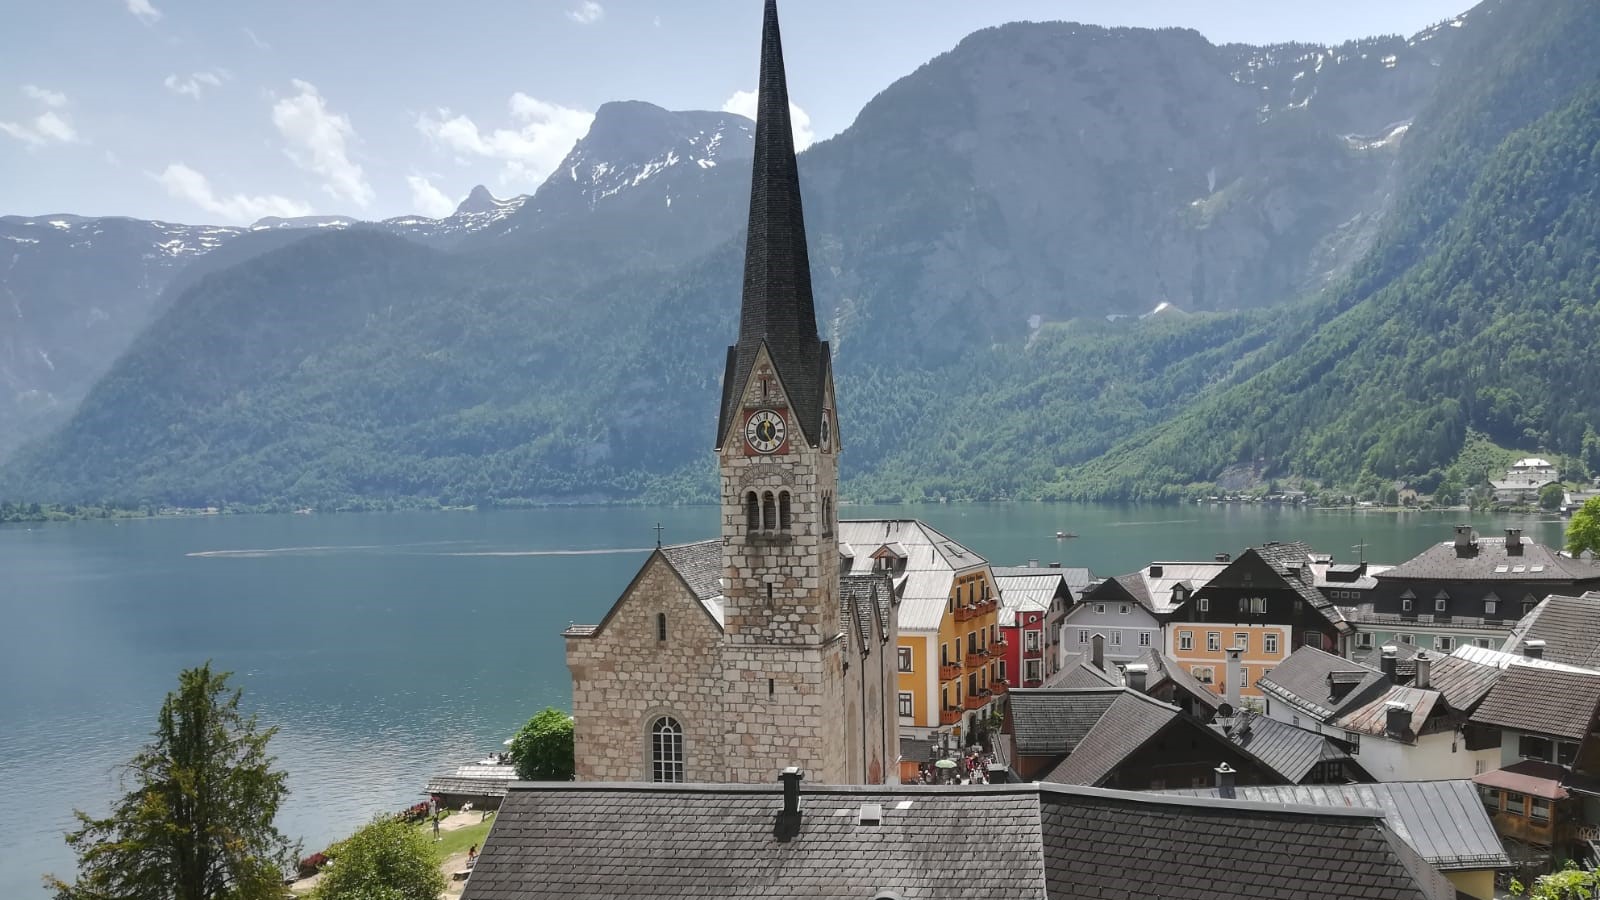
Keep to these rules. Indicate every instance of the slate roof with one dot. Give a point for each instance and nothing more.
(1079, 672)
(1463, 683)
(1131, 720)
(1444, 821)
(863, 598)
(1569, 626)
(777, 309)
(471, 787)
(1543, 701)
(1293, 561)
(700, 566)
(1489, 561)
(1287, 749)
(1163, 668)
(1099, 846)
(1302, 680)
(1007, 842)
(1048, 721)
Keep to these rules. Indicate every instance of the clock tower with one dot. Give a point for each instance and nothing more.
(777, 448)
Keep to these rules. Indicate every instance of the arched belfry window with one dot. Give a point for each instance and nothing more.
(752, 512)
(666, 750)
(784, 517)
(769, 512)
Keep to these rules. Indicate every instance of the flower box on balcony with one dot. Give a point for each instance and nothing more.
(949, 672)
(949, 716)
(977, 701)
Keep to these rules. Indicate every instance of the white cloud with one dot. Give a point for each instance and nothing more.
(194, 85)
(429, 200)
(744, 103)
(541, 136)
(52, 99)
(144, 10)
(48, 127)
(187, 184)
(587, 13)
(316, 142)
(260, 44)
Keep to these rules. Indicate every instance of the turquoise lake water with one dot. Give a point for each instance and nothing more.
(388, 647)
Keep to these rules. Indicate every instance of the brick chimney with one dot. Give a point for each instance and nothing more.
(1533, 649)
(1225, 780)
(1097, 651)
(1466, 540)
(1138, 676)
(791, 778)
(1513, 541)
(1389, 660)
(1235, 677)
(1397, 719)
(1424, 677)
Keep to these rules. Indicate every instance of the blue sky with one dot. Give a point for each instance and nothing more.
(227, 110)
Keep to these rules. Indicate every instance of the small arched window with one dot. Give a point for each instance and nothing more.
(752, 512)
(661, 626)
(769, 512)
(784, 517)
(666, 750)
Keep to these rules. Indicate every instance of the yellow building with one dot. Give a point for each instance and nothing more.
(948, 646)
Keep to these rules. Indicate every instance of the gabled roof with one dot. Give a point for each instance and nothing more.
(1372, 717)
(1543, 701)
(1159, 578)
(1048, 721)
(1303, 680)
(865, 604)
(1032, 593)
(1462, 682)
(1569, 627)
(1503, 660)
(931, 562)
(1000, 842)
(1076, 578)
(1079, 672)
(1444, 821)
(1487, 560)
(697, 565)
(1164, 668)
(1293, 561)
(1132, 719)
(1287, 749)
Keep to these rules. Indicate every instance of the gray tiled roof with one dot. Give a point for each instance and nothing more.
(1444, 821)
(700, 566)
(1202, 849)
(1292, 561)
(471, 787)
(1079, 672)
(1463, 683)
(1545, 701)
(1490, 561)
(1163, 668)
(1131, 720)
(1569, 626)
(1011, 842)
(1289, 750)
(863, 598)
(1302, 679)
(1054, 721)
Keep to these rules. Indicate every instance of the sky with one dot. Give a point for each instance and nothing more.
(224, 111)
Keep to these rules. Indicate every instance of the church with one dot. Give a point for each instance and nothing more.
(728, 660)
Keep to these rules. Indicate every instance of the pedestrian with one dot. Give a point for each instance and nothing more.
(433, 811)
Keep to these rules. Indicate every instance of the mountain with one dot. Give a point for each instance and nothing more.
(971, 233)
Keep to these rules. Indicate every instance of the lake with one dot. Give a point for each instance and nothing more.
(388, 647)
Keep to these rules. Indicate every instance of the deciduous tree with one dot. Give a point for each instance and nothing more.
(386, 860)
(1583, 532)
(542, 750)
(198, 823)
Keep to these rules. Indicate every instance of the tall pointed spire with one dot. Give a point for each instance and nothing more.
(777, 306)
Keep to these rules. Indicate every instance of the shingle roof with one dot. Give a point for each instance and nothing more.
(1132, 719)
(777, 309)
(1055, 720)
(1462, 682)
(1444, 821)
(1079, 672)
(1544, 701)
(1010, 842)
(1303, 680)
(1287, 749)
(471, 787)
(1569, 626)
(863, 598)
(1489, 561)
(1168, 669)
(700, 566)
(1201, 849)
(1292, 560)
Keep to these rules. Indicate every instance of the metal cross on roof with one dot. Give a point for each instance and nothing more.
(659, 529)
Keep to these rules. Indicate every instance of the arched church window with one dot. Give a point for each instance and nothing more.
(661, 626)
(752, 511)
(784, 516)
(666, 750)
(769, 512)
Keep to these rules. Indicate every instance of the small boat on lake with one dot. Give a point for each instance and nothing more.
(1065, 535)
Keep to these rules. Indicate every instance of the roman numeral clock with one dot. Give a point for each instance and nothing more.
(765, 431)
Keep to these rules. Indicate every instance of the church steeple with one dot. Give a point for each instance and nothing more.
(777, 307)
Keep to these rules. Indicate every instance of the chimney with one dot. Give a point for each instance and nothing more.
(1513, 541)
(1533, 649)
(1235, 677)
(1033, 564)
(791, 778)
(1097, 652)
(1223, 557)
(1055, 565)
(1137, 676)
(1397, 719)
(1155, 571)
(1225, 782)
(1464, 537)
(1424, 672)
(1389, 660)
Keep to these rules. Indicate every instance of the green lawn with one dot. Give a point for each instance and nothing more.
(459, 840)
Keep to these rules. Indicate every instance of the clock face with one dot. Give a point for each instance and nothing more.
(763, 431)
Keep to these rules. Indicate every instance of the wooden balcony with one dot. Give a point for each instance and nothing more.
(977, 701)
(977, 660)
(949, 671)
(965, 613)
(949, 716)
(999, 686)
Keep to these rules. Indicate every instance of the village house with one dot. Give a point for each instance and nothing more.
(1033, 601)
(1298, 755)
(1524, 480)
(1264, 603)
(946, 659)
(994, 842)
(1120, 612)
(1469, 590)
(730, 659)
(1560, 629)
(1397, 727)
(1442, 821)
(1120, 738)
(1165, 680)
